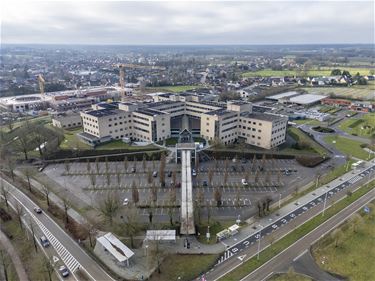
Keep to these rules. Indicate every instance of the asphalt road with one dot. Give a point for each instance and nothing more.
(67, 248)
(234, 255)
(288, 255)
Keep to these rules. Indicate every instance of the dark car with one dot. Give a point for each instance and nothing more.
(133, 170)
(169, 174)
(205, 183)
(37, 210)
(64, 271)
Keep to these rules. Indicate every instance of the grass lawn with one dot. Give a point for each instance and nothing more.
(364, 126)
(278, 246)
(301, 137)
(71, 141)
(354, 256)
(215, 227)
(363, 92)
(313, 72)
(289, 276)
(174, 89)
(118, 144)
(348, 146)
(184, 267)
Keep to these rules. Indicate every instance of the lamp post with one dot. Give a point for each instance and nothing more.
(279, 200)
(208, 234)
(260, 236)
(238, 221)
(325, 203)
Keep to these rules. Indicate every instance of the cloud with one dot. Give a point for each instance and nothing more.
(210, 22)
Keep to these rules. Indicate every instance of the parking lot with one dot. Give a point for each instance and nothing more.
(89, 183)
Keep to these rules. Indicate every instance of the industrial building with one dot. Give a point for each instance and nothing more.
(170, 114)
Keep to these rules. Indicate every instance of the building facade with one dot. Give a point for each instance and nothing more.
(171, 114)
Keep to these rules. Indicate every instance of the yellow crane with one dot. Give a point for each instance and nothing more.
(42, 82)
(122, 73)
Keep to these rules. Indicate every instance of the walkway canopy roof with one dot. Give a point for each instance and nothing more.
(113, 245)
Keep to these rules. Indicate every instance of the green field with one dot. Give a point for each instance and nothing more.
(354, 255)
(184, 267)
(364, 126)
(302, 138)
(314, 72)
(348, 146)
(363, 92)
(174, 89)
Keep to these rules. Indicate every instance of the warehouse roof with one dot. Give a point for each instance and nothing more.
(283, 95)
(306, 99)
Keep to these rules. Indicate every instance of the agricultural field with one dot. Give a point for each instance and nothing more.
(363, 127)
(361, 92)
(346, 250)
(314, 72)
(348, 146)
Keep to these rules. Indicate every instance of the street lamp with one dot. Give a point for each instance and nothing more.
(238, 221)
(260, 236)
(208, 234)
(279, 200)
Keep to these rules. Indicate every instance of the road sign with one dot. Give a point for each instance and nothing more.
(55, 259)
(366, 209)
(241, 257)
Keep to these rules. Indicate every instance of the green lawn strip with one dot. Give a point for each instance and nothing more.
(215, 227)
(348, 146)
(184, 267)
(354, 125)
(280, 245)
(352, 258)
(300, 136)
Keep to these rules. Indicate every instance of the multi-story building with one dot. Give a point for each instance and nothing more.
(157, 121)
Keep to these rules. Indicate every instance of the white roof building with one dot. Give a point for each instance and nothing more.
(306, 99)
(115, 247)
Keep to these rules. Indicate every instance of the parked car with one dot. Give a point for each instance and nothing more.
(125, 202)
(194, 173)
(244, 182)
(205, 183)
(169, 174)
(154, 174)
(37, 210)
(64, 271)
(44, 241)
(133, 170)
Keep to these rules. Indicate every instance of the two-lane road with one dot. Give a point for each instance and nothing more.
(68, 249)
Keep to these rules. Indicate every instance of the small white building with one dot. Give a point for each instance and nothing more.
(115, 247)
(161, 235)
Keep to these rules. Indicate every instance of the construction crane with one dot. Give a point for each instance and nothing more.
(42, 82)
(122, 73)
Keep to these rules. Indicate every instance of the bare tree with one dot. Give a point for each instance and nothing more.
(118, 175)
(93, 180)
(217, 196)
(131, 225)
(11, 165)
(67, 166)
(199, 203)
(4, 193)
(149, 177)
(88, 166)
(19, 213)
(125, 163)
(28, 172)
(23, 142)
(238, 196)
(162, 169)
(154, 193)
(210, 176)
(337, 234)
(48, 267)
(66, 206)
(225, 179)
(144, 163)
(174, 178)
(97, 164)
(109, 206)
(33, 235)
(5, 263)
(46, 193)
(172, 203)
(135, 193)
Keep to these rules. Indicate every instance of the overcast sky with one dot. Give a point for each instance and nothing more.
(180, 22)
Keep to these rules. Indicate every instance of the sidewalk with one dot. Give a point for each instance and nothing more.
(17, 263)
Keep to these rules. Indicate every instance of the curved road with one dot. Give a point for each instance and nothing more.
(67, 248)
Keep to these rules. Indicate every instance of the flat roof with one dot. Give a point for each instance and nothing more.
(262, 116)
(283, 95)
(221, 111)
(100, 112)
(161, 235)
(149, 111)
(306, 99)
(113, 245)
(112, 105)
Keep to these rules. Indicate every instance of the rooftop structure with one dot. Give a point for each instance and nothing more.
(283, 95)
(307, 99)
